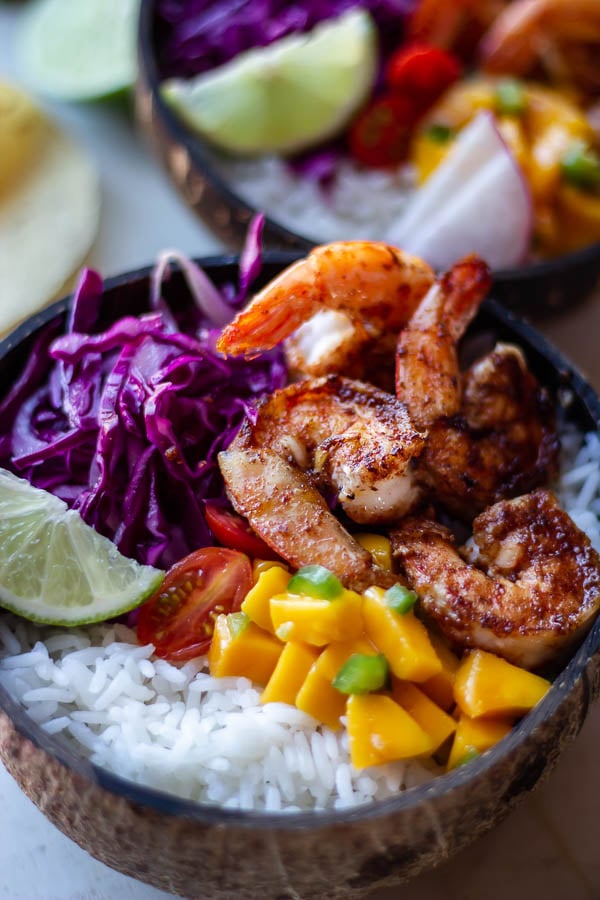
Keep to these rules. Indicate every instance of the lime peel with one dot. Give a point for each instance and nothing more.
(283, 98)
(57, 570)
(80, 49)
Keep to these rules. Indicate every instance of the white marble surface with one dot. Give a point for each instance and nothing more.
(547, 848)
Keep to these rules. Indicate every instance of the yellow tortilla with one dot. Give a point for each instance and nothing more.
(49, 208)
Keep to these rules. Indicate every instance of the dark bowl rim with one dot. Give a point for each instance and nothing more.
(195, 147)
(168, 804)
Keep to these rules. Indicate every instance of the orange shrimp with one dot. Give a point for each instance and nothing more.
(371, 287)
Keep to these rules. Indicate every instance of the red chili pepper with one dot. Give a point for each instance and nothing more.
(380, 135)
(423, 71)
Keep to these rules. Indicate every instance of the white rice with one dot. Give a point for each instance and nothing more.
(206, 739)
(359, 204)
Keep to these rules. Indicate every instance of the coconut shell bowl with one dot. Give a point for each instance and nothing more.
(537, 290)
(206, 851)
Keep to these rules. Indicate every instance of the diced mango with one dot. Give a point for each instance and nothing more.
(426, 155)
(270, 582)
(379, 730)
(402, 639)
(317, 696)
(440, 687)
(512, 131)
(289, 674)
(297, 617)
(378, 546)
(474, 736)
(338, 652)
(433, 720)
(486, 685)
(248, 651)
(262, 565)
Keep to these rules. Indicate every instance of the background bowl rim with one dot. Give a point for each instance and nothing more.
(195, 146)
(440, 785)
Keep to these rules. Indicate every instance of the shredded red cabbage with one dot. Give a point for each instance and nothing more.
(197, 35)
(125, 424)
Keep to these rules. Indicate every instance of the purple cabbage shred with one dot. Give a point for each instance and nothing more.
(125, 422)
(197, 35)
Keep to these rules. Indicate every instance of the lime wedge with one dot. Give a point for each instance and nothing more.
(57, 570)
(282, 98)
(80, 49)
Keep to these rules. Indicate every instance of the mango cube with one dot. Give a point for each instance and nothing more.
(297, 617)
(433, 720)
(440, 687)
(262, 565)
(380, 731)
(402, 639)
(317, 696)
(272, 580)
(474, 736)
(239, 647)
(289, 674)
(486, 685)
(378, 546)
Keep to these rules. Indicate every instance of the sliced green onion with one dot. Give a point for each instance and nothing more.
(362, 673)
(581, 166)
(400, 599)
(316, 581)
(510, 97)
(238, 622)
(439, 133)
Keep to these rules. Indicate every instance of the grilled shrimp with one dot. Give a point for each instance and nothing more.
(527, 588)
(561, 36)
(289, 513)
(501, 444)
(343, 297)
(427, 370)
(490, 432)
(351, 437)
(329, 433)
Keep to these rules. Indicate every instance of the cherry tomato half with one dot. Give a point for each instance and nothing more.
(233, 531)
(422, 71)
(381, 134)
(179, 618)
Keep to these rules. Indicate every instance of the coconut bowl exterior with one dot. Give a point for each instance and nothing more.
(202, 851)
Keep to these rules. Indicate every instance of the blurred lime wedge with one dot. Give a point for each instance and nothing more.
(80, 49)
(282, 98)
(57, 570)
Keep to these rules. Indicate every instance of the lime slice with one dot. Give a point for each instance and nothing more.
(80, 49)
(57, 570)
(282, 98)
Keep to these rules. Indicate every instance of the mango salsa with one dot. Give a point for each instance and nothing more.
(440, 687)
(433, 720)
(403, 639)
(297, 617)
(317, 696)
(272, 580)
(289, 674)
(239, 647)
(474, 736)
(378, 546)
(487, 685)
(379, 730)
(540, 125)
